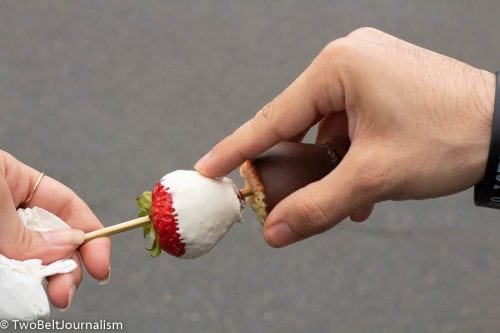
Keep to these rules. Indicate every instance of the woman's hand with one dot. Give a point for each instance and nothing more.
(17, 181)
(412, 124)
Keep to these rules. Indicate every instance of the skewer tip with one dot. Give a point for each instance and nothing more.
(246, 192)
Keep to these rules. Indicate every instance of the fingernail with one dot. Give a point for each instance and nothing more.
(64, 237)
(106, 280)
(71, 296)
(280, 235)
(201, 163)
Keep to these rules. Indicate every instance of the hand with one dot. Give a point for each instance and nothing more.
(412, 124)
(17, 242)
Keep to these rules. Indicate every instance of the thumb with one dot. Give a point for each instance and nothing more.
(48, 246)
(323, 204)
(56, 244)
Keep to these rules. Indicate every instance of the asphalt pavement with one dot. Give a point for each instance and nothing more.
(107, 96)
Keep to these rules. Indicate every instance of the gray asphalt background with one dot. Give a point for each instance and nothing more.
(107, 96)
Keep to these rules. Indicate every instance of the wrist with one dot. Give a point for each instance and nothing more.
(487, 191)
(482, 111)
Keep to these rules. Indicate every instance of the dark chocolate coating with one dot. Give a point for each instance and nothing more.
(289, 166)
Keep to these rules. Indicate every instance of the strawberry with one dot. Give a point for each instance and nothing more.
(189, 213)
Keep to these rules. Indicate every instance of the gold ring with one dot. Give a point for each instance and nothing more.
(28, 199)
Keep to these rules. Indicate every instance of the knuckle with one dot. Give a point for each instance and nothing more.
(355, 47)
(68, 206)
(314, 218)
(337, 49)
(343, 54)
(5, 159)
(267, 118)
(365, 32)
(266, 114)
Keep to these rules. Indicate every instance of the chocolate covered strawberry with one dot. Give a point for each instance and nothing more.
(189, 213)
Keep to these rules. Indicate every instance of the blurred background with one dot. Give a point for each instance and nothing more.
(107, 96)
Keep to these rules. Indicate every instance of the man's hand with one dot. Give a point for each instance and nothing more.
(17, 242)
(412, 124)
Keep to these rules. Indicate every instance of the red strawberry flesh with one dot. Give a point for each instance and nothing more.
(164, 221)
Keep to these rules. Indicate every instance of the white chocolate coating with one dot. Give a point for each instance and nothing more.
(206, 208)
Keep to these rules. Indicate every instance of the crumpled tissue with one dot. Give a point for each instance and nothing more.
(22, 283)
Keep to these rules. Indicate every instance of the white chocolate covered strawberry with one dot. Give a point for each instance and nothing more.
(189, 213)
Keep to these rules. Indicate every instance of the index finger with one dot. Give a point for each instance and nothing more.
(316, 92)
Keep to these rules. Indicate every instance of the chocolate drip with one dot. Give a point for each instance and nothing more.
(289, 166)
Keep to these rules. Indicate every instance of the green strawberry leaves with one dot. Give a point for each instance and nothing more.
(144, 203)
(156, 248)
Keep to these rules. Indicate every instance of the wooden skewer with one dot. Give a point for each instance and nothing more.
(117, 228)
(246, 192)
(136, 223)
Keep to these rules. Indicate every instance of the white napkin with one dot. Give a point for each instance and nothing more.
(22, 283)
